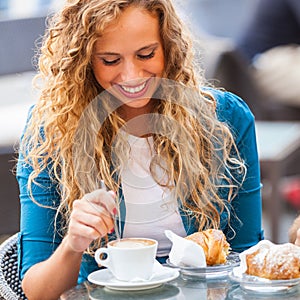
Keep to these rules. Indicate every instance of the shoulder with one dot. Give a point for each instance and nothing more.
(230, 108)
(23, 167)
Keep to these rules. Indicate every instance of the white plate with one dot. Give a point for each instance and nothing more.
(210, 272)
(262, 285)
(104, 277)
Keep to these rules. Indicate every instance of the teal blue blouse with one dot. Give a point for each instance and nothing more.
(37, 238)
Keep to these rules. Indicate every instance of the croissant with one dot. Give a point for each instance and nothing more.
(277, 262)
(214, 244)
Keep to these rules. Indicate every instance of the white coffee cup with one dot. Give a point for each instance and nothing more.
(129, 259)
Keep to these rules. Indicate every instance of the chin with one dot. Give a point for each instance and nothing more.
(137, 103)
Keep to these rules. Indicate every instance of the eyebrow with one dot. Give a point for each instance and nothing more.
(154, 45)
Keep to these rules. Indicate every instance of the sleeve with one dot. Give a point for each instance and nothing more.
(38, 237)
(39, 227)
(295, 8)
(246, 219)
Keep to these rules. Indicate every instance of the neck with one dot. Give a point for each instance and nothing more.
(137, 119)
(127, 112)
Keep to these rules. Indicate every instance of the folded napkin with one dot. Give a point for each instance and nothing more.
(185, 253)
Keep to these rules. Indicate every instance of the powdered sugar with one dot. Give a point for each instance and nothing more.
(272, 261)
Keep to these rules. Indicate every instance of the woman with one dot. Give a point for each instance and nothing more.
(121, 103)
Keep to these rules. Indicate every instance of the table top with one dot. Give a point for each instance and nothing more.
(179, 289)
(276, 140)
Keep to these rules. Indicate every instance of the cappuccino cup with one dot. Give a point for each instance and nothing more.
(129, 259)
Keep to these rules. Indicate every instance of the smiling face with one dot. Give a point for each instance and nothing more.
(128, 58)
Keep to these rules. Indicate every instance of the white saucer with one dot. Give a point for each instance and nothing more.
(261, 285)
(104, 277)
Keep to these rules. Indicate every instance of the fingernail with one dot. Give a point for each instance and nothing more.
(115, 212)
(112, 231)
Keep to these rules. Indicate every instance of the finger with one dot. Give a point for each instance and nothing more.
(86, 206)
(103, 198)
(80, 229)
(101, 221)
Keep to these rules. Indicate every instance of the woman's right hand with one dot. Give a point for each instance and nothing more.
(91, 218)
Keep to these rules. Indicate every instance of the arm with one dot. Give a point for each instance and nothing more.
(247, 206)
(50, 277)
(274, 23)
(48, 264)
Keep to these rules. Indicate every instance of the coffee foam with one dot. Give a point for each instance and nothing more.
(132, 243)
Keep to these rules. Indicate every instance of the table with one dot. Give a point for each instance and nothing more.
(278, 148)
(179, 289)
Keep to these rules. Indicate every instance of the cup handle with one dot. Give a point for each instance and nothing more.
(99, 260)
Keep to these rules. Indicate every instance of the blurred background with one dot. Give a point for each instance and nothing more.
(249, 47)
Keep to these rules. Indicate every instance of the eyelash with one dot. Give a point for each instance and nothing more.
(148, 56)
(110, 63)
(142, 57)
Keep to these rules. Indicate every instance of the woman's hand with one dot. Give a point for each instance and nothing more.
(91, 218)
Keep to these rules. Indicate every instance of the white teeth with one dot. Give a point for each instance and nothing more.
(133, 90)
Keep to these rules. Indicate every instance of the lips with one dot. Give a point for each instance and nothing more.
(134, 91)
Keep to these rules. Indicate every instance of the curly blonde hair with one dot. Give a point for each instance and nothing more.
(199, 155)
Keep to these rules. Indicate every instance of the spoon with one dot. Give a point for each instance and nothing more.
(114, 217)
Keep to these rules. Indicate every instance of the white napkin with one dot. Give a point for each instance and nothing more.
(264, 244)
(185, 252)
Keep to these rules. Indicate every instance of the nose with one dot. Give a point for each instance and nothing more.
(130, 70)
